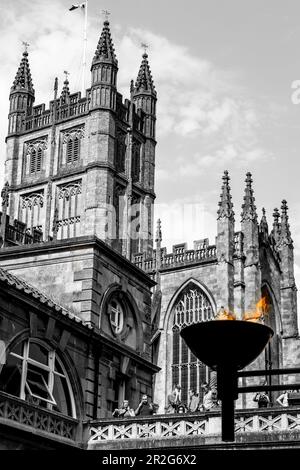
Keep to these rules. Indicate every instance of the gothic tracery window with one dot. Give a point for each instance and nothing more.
(69, 210)
(192, 306)
(31, 210)
(34, 157)
(71, 146)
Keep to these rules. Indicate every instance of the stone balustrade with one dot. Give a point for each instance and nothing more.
(16, 233)
(26, 416)
(192, 429)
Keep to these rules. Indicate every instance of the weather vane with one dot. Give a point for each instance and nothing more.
(26, 45)
(106, 13)
(145, 47)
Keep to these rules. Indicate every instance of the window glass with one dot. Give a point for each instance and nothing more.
(43, 382)
(38, 353)
(10, 377)
(61, 396)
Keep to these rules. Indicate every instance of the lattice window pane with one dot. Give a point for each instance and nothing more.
(76, 149)
(193, 306)
(32, 161)
(39, 160)
(69, 150)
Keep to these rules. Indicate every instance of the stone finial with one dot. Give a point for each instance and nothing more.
(131, 86)
(65, 93)
(225, 204)
(275, 233)
(23, 80)
(285, 233)
(144, 81)
(248, 208)
(5, 195)
(105, 48)
(263, 226)
(158, 237)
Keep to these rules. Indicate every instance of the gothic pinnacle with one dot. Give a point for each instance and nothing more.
(225, 204)
(23, 80)
(105, 48)
(263, 226)
(144, 81)
(248, 207)
(285, 233)
(65, 93)
(158, 237)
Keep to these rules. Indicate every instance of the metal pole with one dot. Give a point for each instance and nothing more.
(267, 388)
(84, 49)
(254, 373)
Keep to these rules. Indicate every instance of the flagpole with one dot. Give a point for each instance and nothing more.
(83, 88)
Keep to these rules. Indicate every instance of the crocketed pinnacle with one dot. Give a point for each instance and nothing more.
(23, 80)
(225, 204)
(65, 93)
(263, 226)
(285, 233)
(275, 233)
(158, 237)
(249, 208)
(144, 81)
(105, 48)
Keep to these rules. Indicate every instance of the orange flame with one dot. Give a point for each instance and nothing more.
(259, 313)
(224, 314)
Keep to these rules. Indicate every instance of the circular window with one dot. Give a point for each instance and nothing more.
(116, 317)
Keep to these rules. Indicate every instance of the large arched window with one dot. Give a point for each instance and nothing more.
(192, 306)
(34, 373)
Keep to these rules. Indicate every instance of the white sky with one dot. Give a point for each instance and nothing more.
(223, 72)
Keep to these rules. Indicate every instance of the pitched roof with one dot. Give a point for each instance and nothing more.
(21, 285)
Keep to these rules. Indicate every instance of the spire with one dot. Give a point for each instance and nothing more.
(263, 226)
(65, 93)
(144, 81)
(225, 204)
(105, 48)
(23, 80)
(285, 233)
(249, 208)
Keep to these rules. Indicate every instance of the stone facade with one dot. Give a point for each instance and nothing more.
(76, 238)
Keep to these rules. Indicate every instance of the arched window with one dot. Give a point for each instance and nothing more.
(69, 210)
(34, 373)
(71, 146)
(192, 306)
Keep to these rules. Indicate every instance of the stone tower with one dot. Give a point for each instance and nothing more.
(85, 165)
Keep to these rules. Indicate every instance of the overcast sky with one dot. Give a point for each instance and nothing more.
(223, 71)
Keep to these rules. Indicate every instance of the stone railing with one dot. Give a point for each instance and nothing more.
(16, 233)
(179, 257)
(26, 416)
(165, 430)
